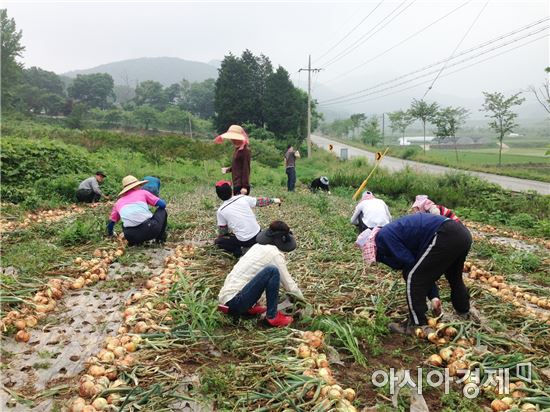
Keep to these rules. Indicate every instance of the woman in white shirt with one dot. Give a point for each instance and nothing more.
(370, 212)
(261, 270)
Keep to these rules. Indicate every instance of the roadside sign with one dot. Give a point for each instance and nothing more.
(330, 147)
(379, 155)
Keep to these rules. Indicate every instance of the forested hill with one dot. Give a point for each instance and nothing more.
(166, 70)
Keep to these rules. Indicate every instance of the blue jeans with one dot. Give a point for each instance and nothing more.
(267, 280)
(291, 178)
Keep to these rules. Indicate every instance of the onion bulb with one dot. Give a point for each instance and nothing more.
(435, 360)
(349, 394)
(446, 354)
(130, 347)
(528, 407)
(432, 322)
(22, 336)
(451, 332)
(432, 337)
(113, 399)
(87, 389)
(31, 321)
(96, 370)
(497, 405)
(140, 327)
(100, 404)
(20, 324)
(334, 394)
(78, 405)
(304, 351)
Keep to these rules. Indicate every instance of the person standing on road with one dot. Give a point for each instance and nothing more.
(240, 165)
(290, 167)
(89, 191)
(425, 247)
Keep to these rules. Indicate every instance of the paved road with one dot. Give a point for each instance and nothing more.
(395, 164)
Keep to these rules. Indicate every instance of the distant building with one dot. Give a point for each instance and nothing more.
(408, 140)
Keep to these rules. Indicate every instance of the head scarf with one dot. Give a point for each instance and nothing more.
(422, 203)
(367, 196)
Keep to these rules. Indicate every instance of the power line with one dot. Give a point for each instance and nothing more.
(368, 35)
(465, 52)
(456, 48)
(445, 75)
(397, 44)
(350, 32)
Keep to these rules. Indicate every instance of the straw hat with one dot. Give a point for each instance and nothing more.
(129, 182)
(235, 132)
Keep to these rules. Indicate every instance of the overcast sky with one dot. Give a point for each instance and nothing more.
(63, 36)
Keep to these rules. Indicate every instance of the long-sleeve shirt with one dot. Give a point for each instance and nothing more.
(402, 242)
(133, 207)
(257, 258)
(240, 168)
(375, 213)
(92, 184)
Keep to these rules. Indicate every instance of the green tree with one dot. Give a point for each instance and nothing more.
(230, 94)
(371, 133)
(357, 120)
(498, 108)
(95, 90)
(146, 115)
(424, 112)
(112, 117)
(201, 98)
(400, 120)
(76, 119)
(151, 93)
(176, 119)
(173, 93)
(280, 104)
(9, 66)
(41, 90)
(448, 121)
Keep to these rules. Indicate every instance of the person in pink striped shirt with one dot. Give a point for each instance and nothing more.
(138, 223)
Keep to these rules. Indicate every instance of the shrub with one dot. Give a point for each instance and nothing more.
(410, 152)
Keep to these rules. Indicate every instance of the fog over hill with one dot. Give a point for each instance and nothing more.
(166, 70)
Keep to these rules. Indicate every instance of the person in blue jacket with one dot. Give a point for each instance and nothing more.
(152, 185)
(424, 247)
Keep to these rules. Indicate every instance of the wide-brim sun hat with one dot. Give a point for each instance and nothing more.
(235, 132)
(283, 240)
(129, 182)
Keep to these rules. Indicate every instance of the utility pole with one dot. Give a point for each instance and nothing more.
(309, 70)
(383, 129)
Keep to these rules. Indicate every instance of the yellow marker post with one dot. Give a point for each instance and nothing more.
(379, 156)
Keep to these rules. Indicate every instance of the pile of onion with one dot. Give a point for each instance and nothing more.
(318, 366)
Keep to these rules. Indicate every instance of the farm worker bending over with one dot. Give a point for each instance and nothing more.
(424, 205)
(152, 185)
(262, 269)
(138, 223)
(321, 183)
(424, 246)
(237, 223)
(240, 165)
(370, 212)
(89, 191)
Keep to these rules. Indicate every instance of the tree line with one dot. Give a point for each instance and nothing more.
(447, 120)
(247, 91)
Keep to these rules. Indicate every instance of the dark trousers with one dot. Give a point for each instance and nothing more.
(444, 256)
(291, 178)
(266, 280)
(231, 244)
(237, 190)
(153, 228)
(87, 196)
